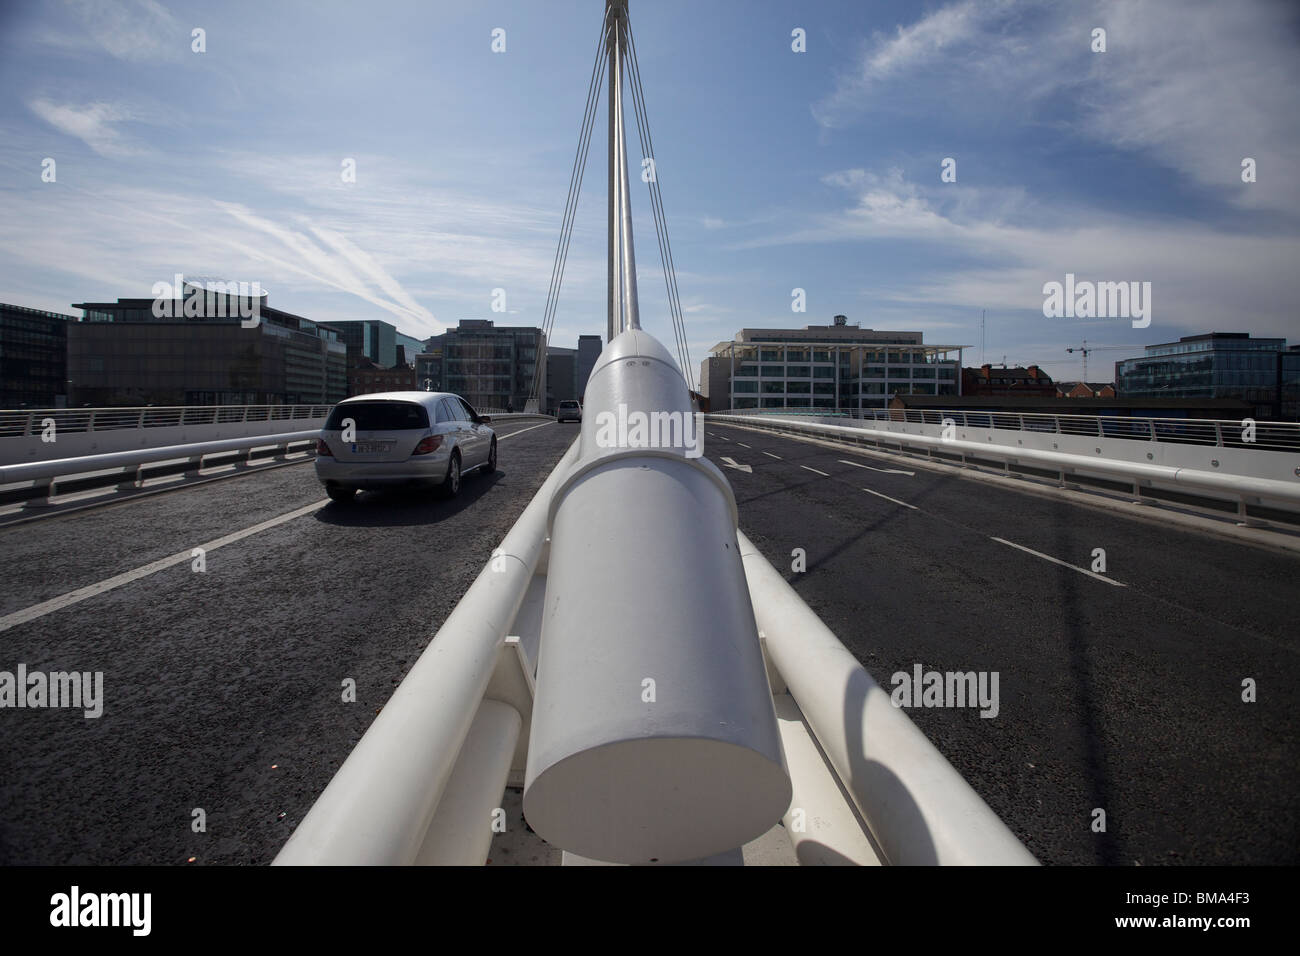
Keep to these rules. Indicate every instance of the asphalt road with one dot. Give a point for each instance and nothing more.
(223, 690)
(1124, 699)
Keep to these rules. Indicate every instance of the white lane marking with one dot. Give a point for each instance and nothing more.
(522, 430)
(887, 471)
(108, 584)
(732, 463)
(822, 473)
(894, 500)
(742, 444)
(1048, 557)
(770, 455)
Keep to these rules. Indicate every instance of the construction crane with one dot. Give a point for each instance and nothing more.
(1085, 348)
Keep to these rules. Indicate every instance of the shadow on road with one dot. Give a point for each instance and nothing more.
(407, 507)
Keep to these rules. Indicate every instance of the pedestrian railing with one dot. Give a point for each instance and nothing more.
(1234, 433)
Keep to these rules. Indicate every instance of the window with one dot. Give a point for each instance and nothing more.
(379, 416)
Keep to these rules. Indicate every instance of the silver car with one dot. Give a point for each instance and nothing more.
(569, 411)
(397, 439)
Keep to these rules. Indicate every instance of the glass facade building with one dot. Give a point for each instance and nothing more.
(493, 367)
(1213, 365)
(33, 357)
(120, 354)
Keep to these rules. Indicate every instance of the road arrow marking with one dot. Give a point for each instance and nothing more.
(732, 463)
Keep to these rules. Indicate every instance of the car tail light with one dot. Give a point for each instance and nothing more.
(427, 445)
(322, 449)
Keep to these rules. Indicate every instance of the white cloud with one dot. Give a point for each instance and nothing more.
(92, 124)
(1193, 86)
(1201, 276)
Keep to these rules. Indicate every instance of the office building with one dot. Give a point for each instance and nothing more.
(589, 349)
(134, 352)
(493, 367)
(375, 340)
(33, 357)
(561, 377)
(1214, 365)
(826, 366)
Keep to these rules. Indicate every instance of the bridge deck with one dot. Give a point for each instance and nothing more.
(223, 689)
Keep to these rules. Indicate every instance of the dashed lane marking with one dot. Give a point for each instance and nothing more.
(887, 471)
(894, 500)
(108, 584)
(1064, 564)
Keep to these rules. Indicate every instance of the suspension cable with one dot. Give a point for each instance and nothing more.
(571, 204)
(657, 208)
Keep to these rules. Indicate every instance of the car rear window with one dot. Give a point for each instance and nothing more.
(380, 416)
(568, 404)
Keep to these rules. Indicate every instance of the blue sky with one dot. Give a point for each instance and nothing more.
(779, 170)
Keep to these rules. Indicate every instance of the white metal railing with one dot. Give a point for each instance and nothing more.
(1240, 475)
(918, 808)
(123, 468)
(21, 422)
(1263, 436)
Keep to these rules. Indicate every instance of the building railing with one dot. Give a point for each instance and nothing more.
(22, 422)
(1238, 433)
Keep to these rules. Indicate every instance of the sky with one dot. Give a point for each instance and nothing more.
(781, 169)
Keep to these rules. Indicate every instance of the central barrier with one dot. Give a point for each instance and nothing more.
(653, 733)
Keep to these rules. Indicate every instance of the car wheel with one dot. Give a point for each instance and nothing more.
(451, 484)
(491, 465)
(344, 496)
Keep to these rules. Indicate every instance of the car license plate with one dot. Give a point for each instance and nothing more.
(371, 447)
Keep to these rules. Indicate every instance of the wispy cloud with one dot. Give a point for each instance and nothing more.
(1201, 275)
(92, 124)
(1195, 86)
(136, 31)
